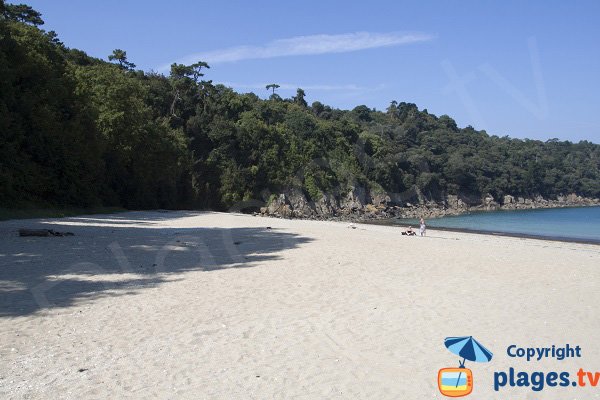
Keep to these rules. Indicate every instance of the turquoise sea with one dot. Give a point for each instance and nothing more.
(580, 224)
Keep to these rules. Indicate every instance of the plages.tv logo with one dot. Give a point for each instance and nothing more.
(458, 382)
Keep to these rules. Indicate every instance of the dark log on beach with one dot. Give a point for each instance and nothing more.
(42, 232)
(34, 232)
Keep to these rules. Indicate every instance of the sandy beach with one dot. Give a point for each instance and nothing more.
(204, 305)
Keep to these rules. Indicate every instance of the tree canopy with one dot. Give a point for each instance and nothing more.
(77, 130)
(20, 12)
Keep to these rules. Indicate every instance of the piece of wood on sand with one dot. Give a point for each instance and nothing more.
(43, 232)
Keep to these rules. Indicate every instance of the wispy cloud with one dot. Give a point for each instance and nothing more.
(307, 45)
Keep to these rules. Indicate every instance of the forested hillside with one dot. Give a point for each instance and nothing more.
(79, 131)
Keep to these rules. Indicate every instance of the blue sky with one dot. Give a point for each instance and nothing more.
(517, 68)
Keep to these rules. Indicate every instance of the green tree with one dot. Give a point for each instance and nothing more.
(50, 152)
(20, 13)
(272, 86)
(120, 56)
(299, 98)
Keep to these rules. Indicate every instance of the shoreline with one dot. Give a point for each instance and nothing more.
(491, 233)
(394, 222)
(380, 222)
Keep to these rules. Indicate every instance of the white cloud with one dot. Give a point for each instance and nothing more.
(307, 45)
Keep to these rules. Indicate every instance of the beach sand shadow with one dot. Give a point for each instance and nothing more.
(115, 255)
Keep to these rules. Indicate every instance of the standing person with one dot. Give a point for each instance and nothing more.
(422, 227)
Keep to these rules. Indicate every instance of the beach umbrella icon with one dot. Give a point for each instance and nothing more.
(469, 349)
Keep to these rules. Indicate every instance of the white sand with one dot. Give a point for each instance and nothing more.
(208, 305)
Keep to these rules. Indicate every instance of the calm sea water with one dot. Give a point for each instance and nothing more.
(581, 223)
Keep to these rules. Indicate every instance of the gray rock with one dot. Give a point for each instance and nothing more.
(280, 206)
(355, 199)
(327, 205)
(380, 199)
(455, 203)
(299, 204)
(357, 204)
(489, 203)
(574, 199)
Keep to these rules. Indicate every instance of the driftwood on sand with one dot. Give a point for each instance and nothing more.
(43, 232)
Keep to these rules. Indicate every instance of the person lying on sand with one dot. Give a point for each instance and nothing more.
(409, 232)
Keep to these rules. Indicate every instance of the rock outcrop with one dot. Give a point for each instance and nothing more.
(355, 200)
(301, 207)
(279, 206)
(327, 205)
(357, 203)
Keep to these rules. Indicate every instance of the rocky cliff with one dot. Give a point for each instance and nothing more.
(360, 204)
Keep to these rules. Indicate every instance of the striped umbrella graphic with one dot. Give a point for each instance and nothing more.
(469, 349)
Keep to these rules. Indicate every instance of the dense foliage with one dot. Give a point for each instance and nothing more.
(80, 131)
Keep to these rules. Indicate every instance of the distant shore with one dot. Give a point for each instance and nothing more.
(401, 222)
(491, 233)
(357, 205)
